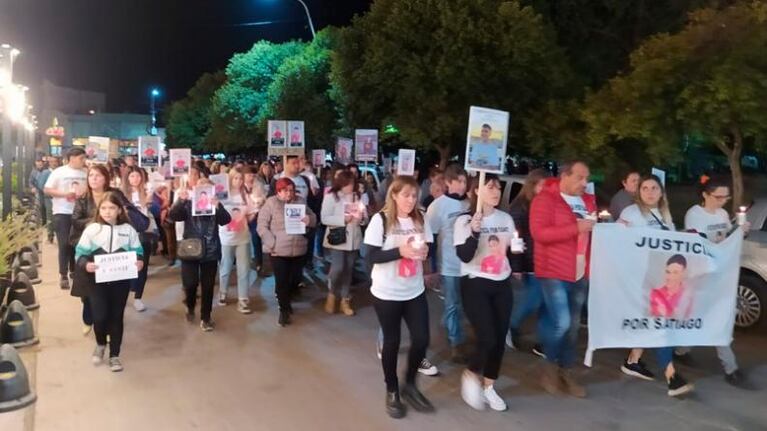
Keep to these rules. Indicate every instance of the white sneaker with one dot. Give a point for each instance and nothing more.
(87, 329)
(98, 354)
(222, 299)
(510, 341)
(242, 306)
(427, 368)
(493, 400)
(471, 391)
(115, 365)
(138, 305)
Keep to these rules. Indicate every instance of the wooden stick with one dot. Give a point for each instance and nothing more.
(479, 191)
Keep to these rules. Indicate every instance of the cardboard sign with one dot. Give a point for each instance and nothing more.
(220, 186)
(202, 201)
(149, 151)
(115, 266)
(97, 149)
(366, 145)
(180, 161)
(406, 162)
(318, 158)
(293, 215)
(296, 129)
(344, 150)
(486, 140)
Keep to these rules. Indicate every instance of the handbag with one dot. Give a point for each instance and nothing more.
(190, 249)
(337, 235)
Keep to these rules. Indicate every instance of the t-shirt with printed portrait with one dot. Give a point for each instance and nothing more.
(490, 260)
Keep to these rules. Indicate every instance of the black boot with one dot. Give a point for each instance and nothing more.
(284, 319)
(415, 398)
(394, 406)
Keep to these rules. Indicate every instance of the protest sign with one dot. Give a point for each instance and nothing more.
(202, 200)
(115, 266)
(97, 149)
(149, 151)
(344, 150)
(293, 215)
(661, 174)
(318, 158)
(653, 288)
(220, 186)
(366, 145)
(180, 161)
(406, 162)
(296, 129)
(486, 140)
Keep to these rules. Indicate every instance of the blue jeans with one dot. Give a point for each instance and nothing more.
(451, 319)
(528, 299)
(563, 302)
(255, 239)
(664, 355)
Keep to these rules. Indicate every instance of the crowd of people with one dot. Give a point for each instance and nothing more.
(449, 233)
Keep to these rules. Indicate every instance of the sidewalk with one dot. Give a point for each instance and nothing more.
(321, 373)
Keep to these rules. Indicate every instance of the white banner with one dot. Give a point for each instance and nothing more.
(115, 266)
(654, 288)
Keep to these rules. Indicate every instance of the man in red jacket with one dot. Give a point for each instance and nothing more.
(561, 219)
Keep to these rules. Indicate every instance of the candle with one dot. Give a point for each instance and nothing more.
(605, 216)
(517, 243)
(741, 216)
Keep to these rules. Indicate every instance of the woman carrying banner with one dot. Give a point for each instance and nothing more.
(396, 245)
(235, 243)
(710, 220)
(110, 232)
(136, 189)
(286, 250)
(482, 239)
(342, 213)
(651, 210)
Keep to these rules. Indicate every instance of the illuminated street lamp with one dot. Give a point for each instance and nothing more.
(153, 95)
(308, 18)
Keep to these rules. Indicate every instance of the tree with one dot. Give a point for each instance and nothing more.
(188, 123)
(420, 64)
(710, 79)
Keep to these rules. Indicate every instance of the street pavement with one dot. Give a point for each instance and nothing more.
(321, 373)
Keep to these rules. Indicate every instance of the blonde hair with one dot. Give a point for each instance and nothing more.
(231, 174)
(663, 207)
(390, 206)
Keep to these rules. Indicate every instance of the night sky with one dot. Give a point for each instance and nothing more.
(124, 47)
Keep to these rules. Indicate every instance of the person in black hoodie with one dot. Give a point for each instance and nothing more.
(527, 290)
(200, 272)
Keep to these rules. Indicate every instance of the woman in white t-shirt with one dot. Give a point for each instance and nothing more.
(397, 239)
(651, 210)
(483, 240)
(236, 242)
(710, 220)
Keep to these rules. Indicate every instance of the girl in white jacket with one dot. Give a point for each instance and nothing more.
(109, 233)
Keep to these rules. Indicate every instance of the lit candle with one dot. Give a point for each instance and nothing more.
(741, 216)
(517, 243)
(605, 216)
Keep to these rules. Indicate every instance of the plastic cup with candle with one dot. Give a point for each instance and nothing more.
(605, 216)
(741, 216)
(517, 243)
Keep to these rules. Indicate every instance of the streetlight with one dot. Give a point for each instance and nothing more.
(308, 18)
(154, 94)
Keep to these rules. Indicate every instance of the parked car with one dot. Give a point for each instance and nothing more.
(752, 289)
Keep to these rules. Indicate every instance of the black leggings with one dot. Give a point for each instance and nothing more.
(288, 272)
(138, 284)
(487, 304)
(62, 224)
(203, 274)
(107, 301)
(390, 315)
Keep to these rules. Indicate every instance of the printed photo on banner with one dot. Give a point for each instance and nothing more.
(294, 214)
(318, 158)
(409, 267)
(344, 150)
(654, 288)
(486, 139)
(202, 200)
(115, 266)
(366, 145)
(97, 149)
(180, 161)
(296, 129)
(406, 162)
(149, 151)
(239, 221)
(220, 186)
(277, 132)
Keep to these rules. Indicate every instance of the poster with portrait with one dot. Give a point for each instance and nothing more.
(366, 145)
(180, 161)
(318, 158)
(344, 150)
(296, 134)
(202, 200)
(406, 162)
(149, 151)
(97, 149)
(486, 140)
(220, 186)
(653, 288)
(277, 133)
(238, 214)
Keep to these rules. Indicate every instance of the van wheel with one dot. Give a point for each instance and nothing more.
(751, 302)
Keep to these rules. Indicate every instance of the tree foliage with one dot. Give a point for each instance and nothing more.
(420, 64)
(710, 79)
(188, 124)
